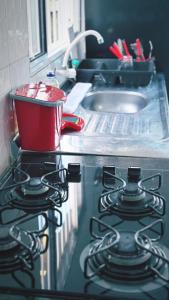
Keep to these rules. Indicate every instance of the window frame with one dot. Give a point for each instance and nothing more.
(47, 57)
(42, 29)
(61, 43)
(42, 22)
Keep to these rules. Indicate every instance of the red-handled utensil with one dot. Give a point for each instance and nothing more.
(139, 49)
(116, 47)
(126, 48)
(115, 52)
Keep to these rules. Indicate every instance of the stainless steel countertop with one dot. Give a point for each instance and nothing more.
(143, 134)
(94, 142)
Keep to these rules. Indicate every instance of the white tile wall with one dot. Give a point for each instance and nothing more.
(4, 80)
(19, 72)
(4, 133)
(14, 67)
(17, 31)
(4, 54)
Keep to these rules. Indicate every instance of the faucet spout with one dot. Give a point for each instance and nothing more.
(98, 36)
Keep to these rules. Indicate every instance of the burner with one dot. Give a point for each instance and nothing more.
(19, 248)
(38, 194)
(38, 199)
(123, 255)
(126, 253)
(132, 193)
(34, 187)
(132, 199)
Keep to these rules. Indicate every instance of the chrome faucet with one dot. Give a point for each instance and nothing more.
(98, 36)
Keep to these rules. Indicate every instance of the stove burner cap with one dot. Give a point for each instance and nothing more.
(6, 241)
(132, 193)
(126, 251)
(34, 187)
(127, 244)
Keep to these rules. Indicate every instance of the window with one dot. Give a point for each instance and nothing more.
(48, 23)
(56, 33)
(36, 28)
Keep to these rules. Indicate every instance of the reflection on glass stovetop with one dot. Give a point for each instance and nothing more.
(70, 221)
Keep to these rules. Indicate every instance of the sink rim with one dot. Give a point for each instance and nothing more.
(146, 100)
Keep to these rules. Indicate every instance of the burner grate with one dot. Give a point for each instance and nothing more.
(124, 255)
(131, 200)
(36, 194)
(19, 248)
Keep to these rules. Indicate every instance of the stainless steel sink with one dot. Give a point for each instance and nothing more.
(115, 101)
(126, 121)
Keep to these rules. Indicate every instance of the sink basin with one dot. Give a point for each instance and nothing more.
(115, 101)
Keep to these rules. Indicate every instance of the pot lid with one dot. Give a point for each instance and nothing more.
(39, 93)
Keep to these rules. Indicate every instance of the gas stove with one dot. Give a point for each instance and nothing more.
(84, 227)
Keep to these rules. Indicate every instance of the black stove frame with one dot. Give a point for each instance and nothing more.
(88, 161)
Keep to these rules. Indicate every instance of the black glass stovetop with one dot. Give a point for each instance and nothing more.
(62, 234)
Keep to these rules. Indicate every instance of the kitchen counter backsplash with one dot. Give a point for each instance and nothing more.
(14, 67)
